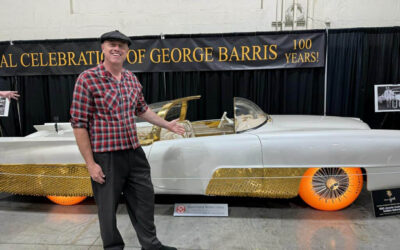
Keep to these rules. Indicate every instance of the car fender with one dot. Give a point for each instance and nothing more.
(377, 151)
(185, 166)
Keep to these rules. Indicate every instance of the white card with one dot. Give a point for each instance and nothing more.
(4, 106)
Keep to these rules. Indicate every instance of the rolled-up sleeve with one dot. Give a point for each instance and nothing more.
(82, 104)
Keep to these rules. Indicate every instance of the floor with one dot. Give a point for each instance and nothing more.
(35, 223)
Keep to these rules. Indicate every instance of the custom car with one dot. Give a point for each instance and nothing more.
(324, 159)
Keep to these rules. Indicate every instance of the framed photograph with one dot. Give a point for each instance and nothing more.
(4, 106)
(387, 98)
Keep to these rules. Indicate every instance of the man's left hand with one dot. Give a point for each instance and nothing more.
(175, 127)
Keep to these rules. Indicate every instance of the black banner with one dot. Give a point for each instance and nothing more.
(242, 52)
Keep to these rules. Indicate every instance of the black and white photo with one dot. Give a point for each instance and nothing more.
(387, 98)
(4, 106)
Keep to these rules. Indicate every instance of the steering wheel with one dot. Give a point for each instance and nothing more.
(223, 119)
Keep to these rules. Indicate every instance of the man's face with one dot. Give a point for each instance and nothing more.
(114, 51)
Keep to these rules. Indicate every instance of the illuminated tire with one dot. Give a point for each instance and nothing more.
(66, 200)
(331, 189)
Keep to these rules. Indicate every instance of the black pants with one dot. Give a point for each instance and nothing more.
(127, 172)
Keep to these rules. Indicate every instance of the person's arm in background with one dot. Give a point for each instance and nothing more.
(81, 112)
(9, 94)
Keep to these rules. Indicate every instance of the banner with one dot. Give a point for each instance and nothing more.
(235, 52)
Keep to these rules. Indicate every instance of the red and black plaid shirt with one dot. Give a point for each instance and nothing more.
(107, 108)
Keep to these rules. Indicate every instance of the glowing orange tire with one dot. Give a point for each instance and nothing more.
(331, 189)
(66, 200)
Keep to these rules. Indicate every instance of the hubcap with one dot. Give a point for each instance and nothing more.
(330, 183)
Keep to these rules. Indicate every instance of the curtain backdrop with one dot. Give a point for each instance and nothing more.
(358, 59)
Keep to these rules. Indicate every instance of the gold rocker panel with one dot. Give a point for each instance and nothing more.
(45, 179)
(73, 180)
(256, 182)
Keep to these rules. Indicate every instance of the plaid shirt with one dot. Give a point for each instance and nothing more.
(107, 108)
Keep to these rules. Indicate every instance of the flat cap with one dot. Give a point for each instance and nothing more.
(115, 35)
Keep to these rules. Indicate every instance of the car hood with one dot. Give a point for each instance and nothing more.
(310, 122)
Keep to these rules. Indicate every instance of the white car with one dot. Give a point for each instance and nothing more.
(324, 159)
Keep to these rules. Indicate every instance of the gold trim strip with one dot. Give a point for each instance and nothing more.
(74, 180)
(45, 179)
(245, 185)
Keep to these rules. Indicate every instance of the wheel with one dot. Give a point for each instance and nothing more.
(330, 189)
(66, 200)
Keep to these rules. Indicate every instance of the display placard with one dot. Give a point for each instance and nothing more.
(201, 209)
(386, 202)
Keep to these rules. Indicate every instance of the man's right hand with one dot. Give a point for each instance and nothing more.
(83, 141)
(96, 173)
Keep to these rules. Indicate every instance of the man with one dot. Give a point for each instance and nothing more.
(105, 102)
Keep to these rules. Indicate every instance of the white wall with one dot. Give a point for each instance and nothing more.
(358, 13)
(59, 19)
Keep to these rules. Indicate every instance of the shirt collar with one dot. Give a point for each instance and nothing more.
(103, 72)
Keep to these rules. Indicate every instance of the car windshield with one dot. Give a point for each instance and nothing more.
(173, 113)
(247, 115)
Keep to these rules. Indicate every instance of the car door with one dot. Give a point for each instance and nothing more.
(185, 166)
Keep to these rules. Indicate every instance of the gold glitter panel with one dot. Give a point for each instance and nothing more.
(45, 179)
(73, 180)
(256, 182)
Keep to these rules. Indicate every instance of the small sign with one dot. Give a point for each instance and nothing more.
(386, 202)
(4, 106)
(387, 98)
(200, 209)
